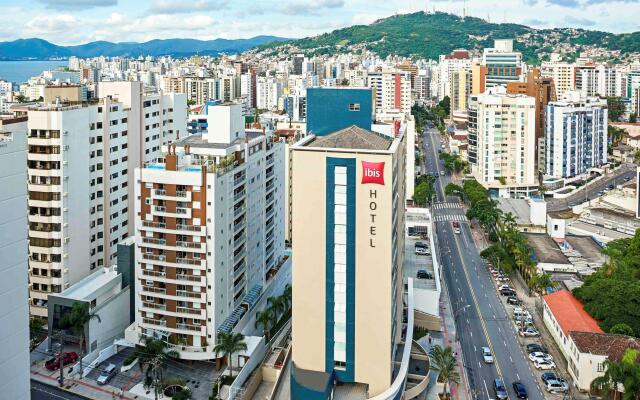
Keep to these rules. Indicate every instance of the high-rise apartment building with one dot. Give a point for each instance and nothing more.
(392, 91)
(575, 135)
(504, 129)
(347, 192)
(80, 163)
(448, 63)
(268, 92)
(460, 91)
(14, 306)
(542, 89)
(562, 73)
(209, 232)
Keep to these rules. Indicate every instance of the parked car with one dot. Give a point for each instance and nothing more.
(529, 332)
(533, 347)
(442, 172)
(520, 389)
(500, 389)
(105, 376)
(67, 358)
(421, 251)
(538, 355)
(422, 245)
(486, 355)
(456, 227)
(507, 292)
(544, 364)
(556, 386)
(424, 274)
(548, 376)
(514, 301)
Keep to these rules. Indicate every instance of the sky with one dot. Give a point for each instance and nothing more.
(70, 22)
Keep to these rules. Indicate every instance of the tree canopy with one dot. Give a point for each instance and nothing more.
(612, 294)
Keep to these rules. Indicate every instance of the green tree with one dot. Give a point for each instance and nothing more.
(36, 326)
(287, 295)
(633, 118)
(454, 190)
(77, 319)
(616, 134)
(277, 305)
(153, 355)
(444, 363)
(229, 344)
(21, 98)
(623, 374)
(622, 329)
(266, 319)
(616, 108)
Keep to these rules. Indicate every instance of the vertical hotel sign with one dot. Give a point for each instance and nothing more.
(372, 173)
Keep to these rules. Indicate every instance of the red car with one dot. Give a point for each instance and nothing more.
(67, 358)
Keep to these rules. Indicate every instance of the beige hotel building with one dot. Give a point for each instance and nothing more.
(348, 240)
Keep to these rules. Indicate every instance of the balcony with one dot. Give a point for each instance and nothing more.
(192, 311)
(189, 228)
(156, 322)
(189, 245)
(270, 159)
(189, 327)
(270, 174)
(270, 186)
(159, 242)
(239, 210)
(239, 195)
(269, 213)
(189, 261)
(190, 278)
(192, 295)
(162, 194)
(151, 289)
(154, 274)
(152, 224)
(154, 306)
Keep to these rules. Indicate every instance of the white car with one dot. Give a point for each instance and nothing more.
(543, 364)
(422, 251)
(487, 356)
(538, 355)
(529, 332)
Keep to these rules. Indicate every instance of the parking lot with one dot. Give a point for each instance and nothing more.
(418, 262)
(537, 336)
(122, 380)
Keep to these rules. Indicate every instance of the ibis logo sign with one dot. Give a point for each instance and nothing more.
(373, 172)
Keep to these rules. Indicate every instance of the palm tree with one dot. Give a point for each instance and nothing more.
(286, 294)
(444, 363)
(620, 375)
(266, 319)
(79, 316)
(152, 358)
(277, 304)
(229, 344)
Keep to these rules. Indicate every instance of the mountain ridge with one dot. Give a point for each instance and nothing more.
(428, 35)
(40, 49)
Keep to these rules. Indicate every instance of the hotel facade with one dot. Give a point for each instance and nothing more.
(348, 218)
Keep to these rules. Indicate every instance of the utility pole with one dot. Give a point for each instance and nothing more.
(61, 362)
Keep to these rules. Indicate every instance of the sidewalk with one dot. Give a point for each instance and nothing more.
(83, 388)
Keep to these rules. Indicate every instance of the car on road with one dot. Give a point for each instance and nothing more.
(544, 364)
(456, 227)
(514, 301)
(627, 179)
(421, 244)
(540, 356)
(422, 251)
(105, 376)
(520, 389)
(500, 389)
(486, 355)
(424, 274)
(441, 173)
(67, 358)
(556, 386)
(533, 347)
(529, 332)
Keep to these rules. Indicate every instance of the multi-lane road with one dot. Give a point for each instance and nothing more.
(480, 317)
(40, 391)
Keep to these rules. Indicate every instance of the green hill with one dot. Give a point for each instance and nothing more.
(429, 35)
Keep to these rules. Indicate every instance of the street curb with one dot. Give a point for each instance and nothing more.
(62, 388)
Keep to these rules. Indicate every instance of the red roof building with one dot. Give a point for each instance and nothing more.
(569, 313)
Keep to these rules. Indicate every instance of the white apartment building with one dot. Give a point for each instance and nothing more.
(209, 232)
(505, 142)
(563, 75)
(392, 91)
(77, 167)
(268, 92)
(575, 135)
(14, 310)
(503, 63)
(153, 120)
(448, 63)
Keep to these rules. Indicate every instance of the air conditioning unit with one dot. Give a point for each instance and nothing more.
(161, 258)
(148, 282)
(148, 267)
(66, 147)
(67, 240)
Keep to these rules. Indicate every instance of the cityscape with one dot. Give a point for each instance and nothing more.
(319, 200)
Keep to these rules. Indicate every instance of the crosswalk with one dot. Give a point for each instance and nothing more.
(450, 217)
(441, 206)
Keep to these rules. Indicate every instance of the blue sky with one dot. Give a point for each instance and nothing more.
(70, 22)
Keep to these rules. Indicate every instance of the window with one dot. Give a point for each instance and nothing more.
(354, 106)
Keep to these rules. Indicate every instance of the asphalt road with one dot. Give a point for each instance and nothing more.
(41, 391)
(481, 319)
(616, 178)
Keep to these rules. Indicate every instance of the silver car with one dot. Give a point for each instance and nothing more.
(105, 376)
(487, 356)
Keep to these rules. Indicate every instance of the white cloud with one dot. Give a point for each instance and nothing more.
(77, 4)
(181, 6)
(55, 23)
(311, 7)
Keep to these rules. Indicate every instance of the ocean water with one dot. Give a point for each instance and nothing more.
(20, 71)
